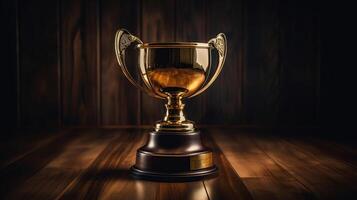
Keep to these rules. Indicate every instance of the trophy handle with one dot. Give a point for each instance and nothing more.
(220, 44)
(123, 39)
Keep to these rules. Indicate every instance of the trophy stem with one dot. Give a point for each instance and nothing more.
(174, 119)
(174, 110)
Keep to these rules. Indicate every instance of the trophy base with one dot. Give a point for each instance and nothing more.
(173, 156)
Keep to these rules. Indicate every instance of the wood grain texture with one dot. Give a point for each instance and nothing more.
(64, 71)
(228, 185)
(223, 100)
(105, 169)
(16, 173)
(309, 169)
(94, 163)
(262, 62)
(23, 143)
(257, 169)
(38, 63)
(191, 190)
(79, 69)
(120, 101)
(158, 25)
(338, 166)
(64, 168)
(344, 152)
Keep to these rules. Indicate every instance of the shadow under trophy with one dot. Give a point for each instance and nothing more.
(173, 71)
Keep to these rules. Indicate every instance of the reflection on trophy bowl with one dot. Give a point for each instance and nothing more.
(173, 71)
(175, 68)
(167, 80)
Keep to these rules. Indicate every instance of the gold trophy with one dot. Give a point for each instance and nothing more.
(173, 71)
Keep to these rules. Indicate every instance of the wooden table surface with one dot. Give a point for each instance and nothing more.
(93, 164)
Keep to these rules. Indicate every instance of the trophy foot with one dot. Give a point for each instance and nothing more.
(174, 156)
(177, 127)
(184, 176)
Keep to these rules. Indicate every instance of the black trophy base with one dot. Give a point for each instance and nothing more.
(174, 156)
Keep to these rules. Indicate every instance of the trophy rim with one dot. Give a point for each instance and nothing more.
(174, 45)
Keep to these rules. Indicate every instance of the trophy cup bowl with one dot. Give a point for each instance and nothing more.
(173, 71)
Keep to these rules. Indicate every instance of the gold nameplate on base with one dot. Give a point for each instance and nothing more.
(201, 161)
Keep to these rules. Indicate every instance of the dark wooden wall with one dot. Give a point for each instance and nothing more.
(59, 66)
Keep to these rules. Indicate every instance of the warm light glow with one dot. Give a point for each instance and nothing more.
(198, 193)
(187, 79)
(193, 148)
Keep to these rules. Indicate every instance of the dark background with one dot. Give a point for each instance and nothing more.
(287, 63)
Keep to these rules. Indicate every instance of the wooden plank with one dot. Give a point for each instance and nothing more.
(8, 56)
(124, 186)
(79, 50)
(39, 66)
(119, 99)
(336, 149)
(247, 159)
(106, 169)
(23, 143)
(262, 176)
(18, 172)
(270, 188)
(299, 62)
(342, 170)
(192, 29)
(223, 100)
(227, 185)
(93, 164)
(45, 184)
(323, 181)
(158, 25)
(177, 191)
(262, 62)
(74, 158)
